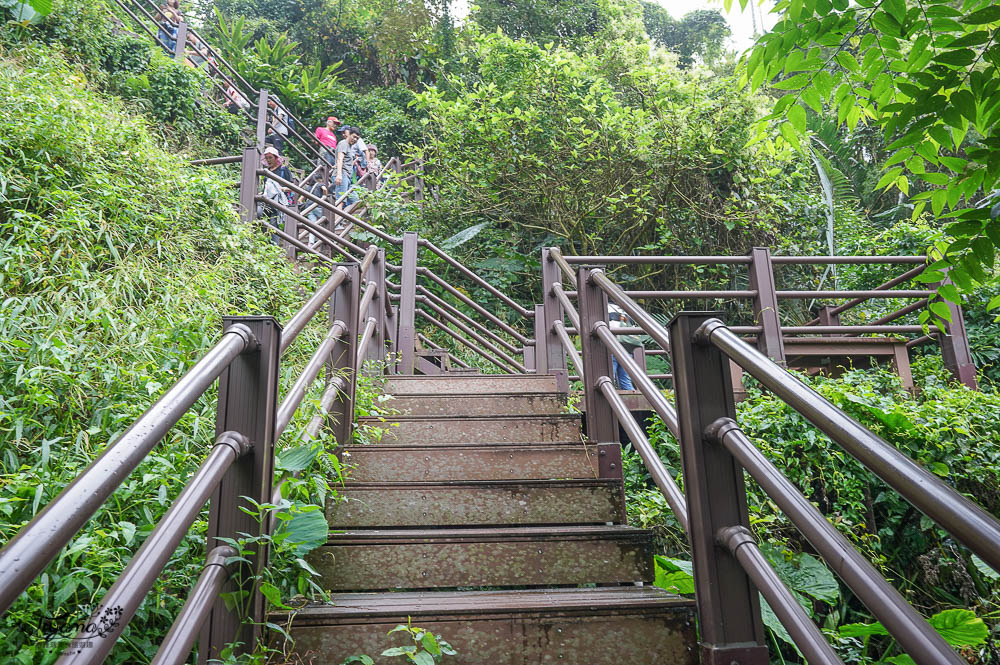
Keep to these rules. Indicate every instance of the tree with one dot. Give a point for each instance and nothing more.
(560, 21)
(700, 34)
(925, 73)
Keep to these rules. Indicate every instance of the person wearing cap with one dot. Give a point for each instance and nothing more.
(273, 191)
(327, 135)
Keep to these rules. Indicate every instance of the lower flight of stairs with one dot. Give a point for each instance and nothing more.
(483, 516)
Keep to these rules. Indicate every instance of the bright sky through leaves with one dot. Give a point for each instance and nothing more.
(741, 21)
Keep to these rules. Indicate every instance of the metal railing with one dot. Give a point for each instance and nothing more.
(769, 334)
(246, 363)
(729, 568)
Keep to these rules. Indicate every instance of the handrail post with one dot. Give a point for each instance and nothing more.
(261, 119)
(555, 357)
(829, 316)
(602, 424)
(728, 605)
(376, 310)
(765, 304)
(248, 399)
(408, 304)
(541, 353)
(181, 43)
(392, 334)
(248, 184)
(955, 349)
(343, 358)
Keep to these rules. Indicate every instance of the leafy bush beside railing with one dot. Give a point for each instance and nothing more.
(951, 430)
(117, 263)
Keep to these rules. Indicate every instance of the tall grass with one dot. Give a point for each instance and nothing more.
(117, 263)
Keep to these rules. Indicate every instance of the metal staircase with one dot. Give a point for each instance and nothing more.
(486, 481)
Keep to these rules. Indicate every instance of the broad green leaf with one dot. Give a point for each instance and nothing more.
(984, 568)
(941, 310)
(846, 60)
(464, 236)
(965, 103)
(364, 660)
(797, 116)
(862, 629)
(811, 97)
(43, 7)
(958, 57)
(306, 530)
(889, 178)
(297, 458)
(674, 575)
(792, 82)
(987, 15)
(788, 133)
(428, 642)
(960, 628)
(273, 595)
(400, 651)
(422, 658)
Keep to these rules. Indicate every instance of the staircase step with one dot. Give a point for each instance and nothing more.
(442, 463)
(508, 556)
(478, 503)
(523, 404)
(474, 384)
(426, 430)
(603, 626)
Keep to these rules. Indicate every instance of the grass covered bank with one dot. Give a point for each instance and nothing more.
(117, 263)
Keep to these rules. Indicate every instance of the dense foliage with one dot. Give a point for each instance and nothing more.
(925, 76)
(699, 34)
(116, 265)
(542, 145)
(949, 429)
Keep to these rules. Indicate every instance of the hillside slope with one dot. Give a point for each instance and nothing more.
(117, 262)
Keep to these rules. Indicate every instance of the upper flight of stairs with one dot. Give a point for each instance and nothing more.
(482, 515)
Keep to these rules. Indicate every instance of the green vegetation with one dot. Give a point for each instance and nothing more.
(924, 75)
(851, 128)
(950, 430)
(117, 263)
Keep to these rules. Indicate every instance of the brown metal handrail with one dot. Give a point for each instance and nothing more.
(176, 646)
(969, 523)
(451, 357)
(447, 258)
(703, 393)
(434, 277)
(480, 328)
(471, 333)
(462, 340)
(27, 554)
(140, 574)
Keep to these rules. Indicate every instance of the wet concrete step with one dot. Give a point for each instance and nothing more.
(478, 503)
(508, 556)
(429, 430)
(499, 404)
(441, 463)
(471, 384)
(603, 626)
